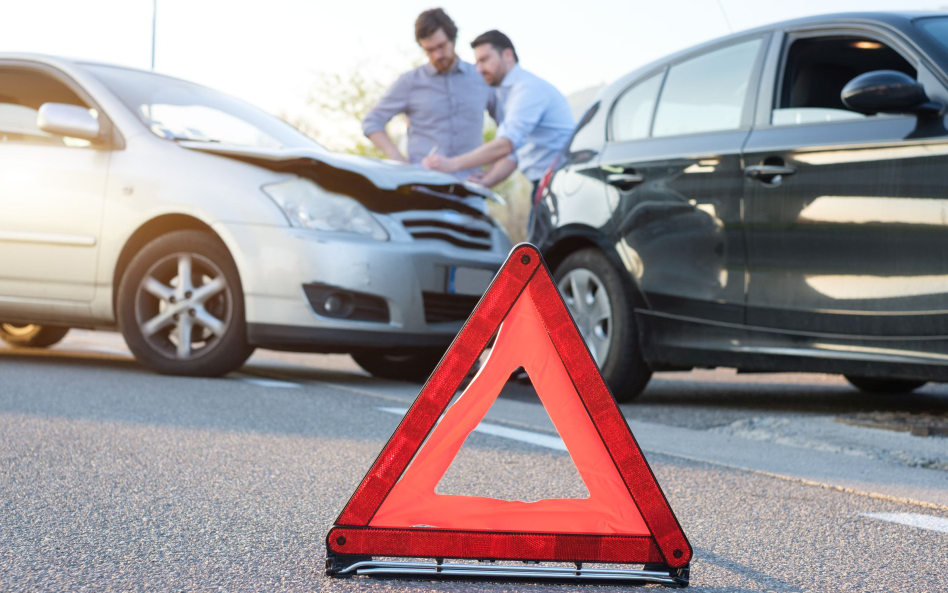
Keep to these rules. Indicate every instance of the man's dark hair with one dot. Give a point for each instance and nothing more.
(498, 40)
(428, 23)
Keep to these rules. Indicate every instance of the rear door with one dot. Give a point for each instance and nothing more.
(847, 215)
(674, 179)
(51, 195)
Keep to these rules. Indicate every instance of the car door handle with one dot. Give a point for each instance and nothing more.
(624, 180)
(763, 172)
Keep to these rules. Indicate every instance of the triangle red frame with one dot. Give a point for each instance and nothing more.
(351, 535)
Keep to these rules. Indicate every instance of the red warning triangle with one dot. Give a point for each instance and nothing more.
(626, 518)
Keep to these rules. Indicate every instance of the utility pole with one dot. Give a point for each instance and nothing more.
(727, 21)
(154, 18)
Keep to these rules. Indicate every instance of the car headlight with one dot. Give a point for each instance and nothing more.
(309, 206)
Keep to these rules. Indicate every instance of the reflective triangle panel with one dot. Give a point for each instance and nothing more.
(626, 518)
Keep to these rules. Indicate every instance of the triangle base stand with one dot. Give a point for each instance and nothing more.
(338, 565)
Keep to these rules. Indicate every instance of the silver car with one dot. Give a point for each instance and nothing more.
(201, 227)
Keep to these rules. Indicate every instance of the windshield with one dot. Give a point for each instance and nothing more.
(180, 110)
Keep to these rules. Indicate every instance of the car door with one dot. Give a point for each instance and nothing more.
(847, 216)
(673, 177)
(51, 195)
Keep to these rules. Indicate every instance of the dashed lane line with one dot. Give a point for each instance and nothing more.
(524, 436)
(927, 522)
(264, 382)
(798, 480)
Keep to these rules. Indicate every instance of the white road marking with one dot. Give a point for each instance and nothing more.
(524, 436)
(260, 382)
(913, 520)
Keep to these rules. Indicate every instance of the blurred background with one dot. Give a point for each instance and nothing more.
(321, 65)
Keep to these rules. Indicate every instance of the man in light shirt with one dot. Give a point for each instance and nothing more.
(444, 99)
(534, 119)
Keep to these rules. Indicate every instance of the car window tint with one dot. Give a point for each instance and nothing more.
(632, 114)
(22, 93)
(818, 68)
(706, 93)
(936, 28)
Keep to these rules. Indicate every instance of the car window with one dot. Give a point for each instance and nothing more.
(22, 93)
(706, 93)
(632, 114)
(817, 69)
(936, 28)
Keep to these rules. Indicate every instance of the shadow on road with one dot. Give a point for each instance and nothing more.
(700, 399)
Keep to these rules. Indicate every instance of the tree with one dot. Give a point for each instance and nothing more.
(336, 104)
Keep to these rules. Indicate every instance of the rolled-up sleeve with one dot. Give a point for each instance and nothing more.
(522, 113)
(393, 102)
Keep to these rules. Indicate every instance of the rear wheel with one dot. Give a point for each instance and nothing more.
(31, 335)
(877, 385)
(600, 303)
(181, 306)
(415, 366)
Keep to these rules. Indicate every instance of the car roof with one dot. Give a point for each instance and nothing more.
(898, 20)
(66, 63)
(894, 19)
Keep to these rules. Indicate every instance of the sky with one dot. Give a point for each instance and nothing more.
(271, 53)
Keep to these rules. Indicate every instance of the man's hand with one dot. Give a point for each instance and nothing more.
(476, 177)
(439, 163)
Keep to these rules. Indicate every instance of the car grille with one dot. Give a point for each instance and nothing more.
(441, 307)
(462, 231)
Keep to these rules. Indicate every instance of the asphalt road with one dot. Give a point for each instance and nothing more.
(116, 479)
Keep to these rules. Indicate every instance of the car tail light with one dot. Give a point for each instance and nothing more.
(545, 181)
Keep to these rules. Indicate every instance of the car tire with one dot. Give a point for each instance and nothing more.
(155, 310)
(414, 366)
(612, 338)
(878, 385)
(31, 335)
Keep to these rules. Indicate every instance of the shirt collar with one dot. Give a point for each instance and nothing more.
(459, 66)
(512, 76)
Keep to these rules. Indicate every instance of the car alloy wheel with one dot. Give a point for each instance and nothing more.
(588, 302)
(183, 306)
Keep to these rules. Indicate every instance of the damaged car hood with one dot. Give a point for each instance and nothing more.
(348, 174)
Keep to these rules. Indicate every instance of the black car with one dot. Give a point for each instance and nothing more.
(774, 200)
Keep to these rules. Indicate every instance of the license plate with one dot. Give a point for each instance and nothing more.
(470, 281)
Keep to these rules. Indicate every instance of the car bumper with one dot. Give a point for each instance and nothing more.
(407, 281)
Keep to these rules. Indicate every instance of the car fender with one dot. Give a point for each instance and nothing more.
(563, 241)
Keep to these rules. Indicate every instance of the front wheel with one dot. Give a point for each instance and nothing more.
(31, 335)
(877, 385)
(414, 366)
(598, 299)
(181, 306)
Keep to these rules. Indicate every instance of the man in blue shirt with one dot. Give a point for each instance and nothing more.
(444, 99)
(534, 119)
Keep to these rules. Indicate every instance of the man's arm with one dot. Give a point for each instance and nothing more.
(393, 102)
(522, 113)
(484, 154)
(382, 141)
(500, 170)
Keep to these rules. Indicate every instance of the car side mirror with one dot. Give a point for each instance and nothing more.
(67, 120)
(888, 91)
